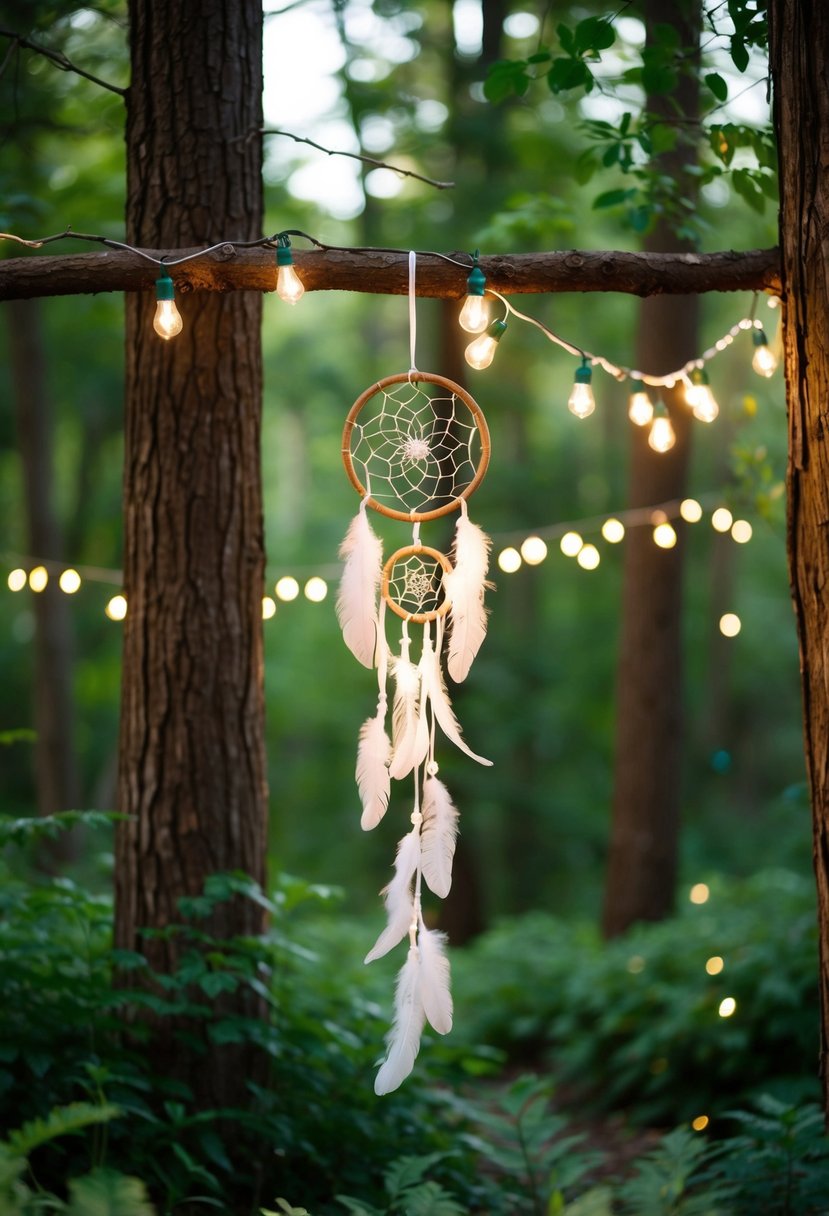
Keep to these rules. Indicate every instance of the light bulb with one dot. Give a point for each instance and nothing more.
(661, 437)
(289, 285)
(475, 312)
(581, 401)
(765, 360)
(640, 408)
(698, 394)
(167, 321)
(480, 353)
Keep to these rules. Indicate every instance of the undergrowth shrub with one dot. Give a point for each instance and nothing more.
(637, 1023)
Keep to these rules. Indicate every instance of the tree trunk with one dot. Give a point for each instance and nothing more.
(56, 778)
(644, 842)
(799, 31)
(192, 760)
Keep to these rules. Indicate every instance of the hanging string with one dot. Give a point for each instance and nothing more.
(412, 311)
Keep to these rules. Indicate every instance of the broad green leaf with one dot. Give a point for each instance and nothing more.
(717, 85)
(611, 198)
(739, 54)
(108, 1193)
(569, 74)
(593, 34)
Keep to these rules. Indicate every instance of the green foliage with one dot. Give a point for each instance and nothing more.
(409, 1192)
(636, 1022)
(663, 1182)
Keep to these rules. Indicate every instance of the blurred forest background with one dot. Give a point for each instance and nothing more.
(403, 82)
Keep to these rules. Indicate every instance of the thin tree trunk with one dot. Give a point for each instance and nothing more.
(56, 778)
(644, 842)
(799, 32)
(192, 760)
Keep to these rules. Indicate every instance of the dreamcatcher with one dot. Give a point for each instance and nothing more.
(415, 446)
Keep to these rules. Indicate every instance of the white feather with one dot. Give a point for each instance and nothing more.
(434, 690)
(437, 836)
(372, 773)
(404, 1038)
(465, 588)
(405, 717)
(398, 897)
(434, 979)
(362, 552)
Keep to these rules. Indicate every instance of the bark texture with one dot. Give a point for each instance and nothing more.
(799, 35)
(192, 760)
(385, 272)
(644, 840)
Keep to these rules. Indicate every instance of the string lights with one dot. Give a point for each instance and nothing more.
(167, 321)
(474, 315)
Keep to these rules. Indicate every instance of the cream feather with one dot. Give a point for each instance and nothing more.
(398, 897)
(372, 773)
(465, 587)
(437, 836)
(405, 716)
(434, 690)
(404, 1038)
(434, 979)
(362, 552)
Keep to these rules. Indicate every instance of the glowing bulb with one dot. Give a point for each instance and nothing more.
(533, 550)
(727, 1006)
(475, 312)
(700, 398)
(167, 321)
(664, 536)
(287, 588)
(714, 964)
(690, 510)
(613, 530)
(316, 589)
(116, 609)
(661, 437)
(588, 557)
(509, 560)
(640, 409)
(570, 544)
(742, 531)
(730, 624)
(699, 893)
(288, 283)
(722, 519)
(480, 353)
(764, 361)
(268, 607)
(69, 582)
(38, 578)
(17, 580)
(700, 1123)
(581, 401)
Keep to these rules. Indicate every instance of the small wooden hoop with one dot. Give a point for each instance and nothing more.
(413, 378)
(419, 618)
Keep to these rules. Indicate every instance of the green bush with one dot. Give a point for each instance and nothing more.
(637, 1023)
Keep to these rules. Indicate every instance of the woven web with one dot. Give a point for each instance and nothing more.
(415, 446)
(416, 584)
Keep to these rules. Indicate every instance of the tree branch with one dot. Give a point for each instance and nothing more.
(367, 160)
(59, 59)
(385, 272)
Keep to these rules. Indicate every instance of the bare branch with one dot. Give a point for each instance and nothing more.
(233, 267)
(367, 160)
(60, 60)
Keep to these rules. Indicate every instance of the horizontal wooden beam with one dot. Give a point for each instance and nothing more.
(383, 272)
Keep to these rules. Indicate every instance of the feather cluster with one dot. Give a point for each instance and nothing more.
(392, 752)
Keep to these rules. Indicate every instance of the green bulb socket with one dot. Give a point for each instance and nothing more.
(497, 329)
(476, 283)
(759, 338)
(164, 289)
(283, 255)
(584, 374)
(699, 376)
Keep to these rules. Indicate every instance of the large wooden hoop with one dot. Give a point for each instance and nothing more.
(419, 618)
(414, 378)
